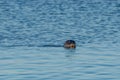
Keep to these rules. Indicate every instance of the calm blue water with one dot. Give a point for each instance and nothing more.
(50, 63)
(26, 26)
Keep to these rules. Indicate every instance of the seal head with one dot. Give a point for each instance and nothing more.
(70, 44)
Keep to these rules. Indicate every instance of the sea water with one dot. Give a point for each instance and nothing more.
(51, 63)
(32, 33)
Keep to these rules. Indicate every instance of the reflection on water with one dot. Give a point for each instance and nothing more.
(70, 52)
(57, 63)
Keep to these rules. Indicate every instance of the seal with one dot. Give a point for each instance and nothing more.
(70, 44)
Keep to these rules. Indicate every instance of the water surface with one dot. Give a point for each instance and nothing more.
(50, 63)
(32, 33)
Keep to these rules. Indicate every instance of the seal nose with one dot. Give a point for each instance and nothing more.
(70, 44)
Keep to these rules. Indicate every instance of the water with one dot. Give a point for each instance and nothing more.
(44, 22)
(50, 63)
(32, 33)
